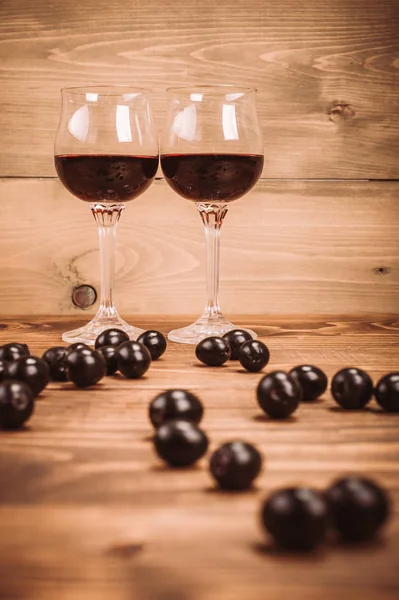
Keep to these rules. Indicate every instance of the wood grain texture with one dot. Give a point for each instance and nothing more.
(327, 73)
(88, 512)
(286, 248)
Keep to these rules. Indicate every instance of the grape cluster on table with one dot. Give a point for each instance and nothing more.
(297, 518)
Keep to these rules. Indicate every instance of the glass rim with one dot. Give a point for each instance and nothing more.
(111, 90)
(209, 88)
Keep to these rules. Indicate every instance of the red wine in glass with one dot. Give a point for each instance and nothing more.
(211, 153)
(106, 154)
(212, 177)
(106, 178)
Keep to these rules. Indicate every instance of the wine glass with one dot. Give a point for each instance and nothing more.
(211, 154)
(106, 154)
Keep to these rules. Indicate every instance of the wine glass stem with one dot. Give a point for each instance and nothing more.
(212, 216)
(107, 217)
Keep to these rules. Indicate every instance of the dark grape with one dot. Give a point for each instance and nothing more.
(16, 404)
(235, 465)
(253, 355)
(154, 341)
(387, 392)
(111, 337)
(180, 443)
(359, 507)
(3, 369)
(133, 359)
(85, 367)
(175, 405)
(78, 346)
(236, 338)
(13, 351)
(108, 353)
(296, 518)
(352, 388)
(213, 351)
(55, 358)
(313, 381)
(31, 370)
(278, 394)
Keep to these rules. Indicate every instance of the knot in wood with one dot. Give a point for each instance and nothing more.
(84, 296)
(382, 270)
(341, 111)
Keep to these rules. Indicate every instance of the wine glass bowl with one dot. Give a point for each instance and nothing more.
(211, 154)
(106, 154)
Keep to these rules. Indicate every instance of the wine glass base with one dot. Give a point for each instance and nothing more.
(202, 328)
(89, 333)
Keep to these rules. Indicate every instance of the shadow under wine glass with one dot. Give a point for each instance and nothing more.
(106, 154)
(211, 154)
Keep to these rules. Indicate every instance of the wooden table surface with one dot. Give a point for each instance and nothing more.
(88, 511)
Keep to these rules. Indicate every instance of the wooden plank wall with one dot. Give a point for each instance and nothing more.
(328, 79)
(326, 247)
